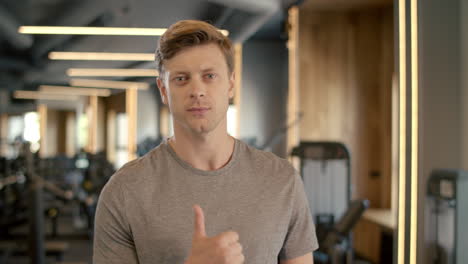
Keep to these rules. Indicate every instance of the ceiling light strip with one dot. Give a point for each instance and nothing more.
(68, 90)
(109, 84)
(74, 72)
(35, 95)
(105, 56)
(117, 31)
(91, 31)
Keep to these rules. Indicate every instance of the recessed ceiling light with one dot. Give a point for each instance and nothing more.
(109, 84)
(69, 90)
(73, 72)
(35, 95)
(119, 31)
(101, 56)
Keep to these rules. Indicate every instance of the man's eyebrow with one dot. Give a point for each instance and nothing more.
(180, 72)
(208, 69)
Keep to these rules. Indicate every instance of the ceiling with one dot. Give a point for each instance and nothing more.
(24, 62)
(344, 4)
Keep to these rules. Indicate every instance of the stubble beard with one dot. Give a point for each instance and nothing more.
(197, 125)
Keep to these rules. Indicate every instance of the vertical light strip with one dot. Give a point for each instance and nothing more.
(131, 97)
(111, 138)
(70, 124)
(93, 123)
(402, 134)
(414, 132)
(238, 84)
(293, 107)
(42, 111)
(3, 134)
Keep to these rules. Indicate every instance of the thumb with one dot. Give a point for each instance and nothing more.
(199, 226)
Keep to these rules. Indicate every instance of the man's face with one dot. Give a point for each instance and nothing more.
(197, 86)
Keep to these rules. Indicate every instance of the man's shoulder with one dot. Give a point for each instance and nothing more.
(139, 170)
(266, 159)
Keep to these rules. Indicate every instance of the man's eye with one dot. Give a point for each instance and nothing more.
(210, 75)
(179, 78)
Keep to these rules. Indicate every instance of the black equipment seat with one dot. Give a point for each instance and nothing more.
(20, 248)
(340, 231)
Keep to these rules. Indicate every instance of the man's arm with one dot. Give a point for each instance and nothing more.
(300, 240)
(113, 241)
(306, 259)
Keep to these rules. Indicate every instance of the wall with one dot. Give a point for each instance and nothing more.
(52, 128)
(116, 102)
(464, 84)
(264, 91)
(346, 71)
(148, 114)
(440, 105)
(61, 132)
(71, 138)
(113, 104)
(147, 111)
(147, 118)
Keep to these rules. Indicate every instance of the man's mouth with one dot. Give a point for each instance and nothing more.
(198, 110)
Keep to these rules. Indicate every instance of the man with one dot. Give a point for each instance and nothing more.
(202, 197)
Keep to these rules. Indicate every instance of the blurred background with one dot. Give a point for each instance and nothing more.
(367, 98)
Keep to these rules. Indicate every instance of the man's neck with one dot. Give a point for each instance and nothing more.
(205, 152)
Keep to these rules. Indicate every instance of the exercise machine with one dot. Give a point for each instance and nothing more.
(448, 192)
(326, 172)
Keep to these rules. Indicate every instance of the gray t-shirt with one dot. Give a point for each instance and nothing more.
(145, 213)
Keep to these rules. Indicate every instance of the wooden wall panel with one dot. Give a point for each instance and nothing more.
(113, 105)
(370, 141)
(71, 127)
(61, 132)
(51, 133)
(388, 110)
(367, 240)
(3, 135)
(346, 65)
(101, 125)
(115, 102)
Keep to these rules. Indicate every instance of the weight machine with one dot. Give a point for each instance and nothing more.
(326, 173)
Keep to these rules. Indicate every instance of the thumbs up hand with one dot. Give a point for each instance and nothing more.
(221, 249)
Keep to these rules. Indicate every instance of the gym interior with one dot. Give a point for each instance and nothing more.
(368, 99)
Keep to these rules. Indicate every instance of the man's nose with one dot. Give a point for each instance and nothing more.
(198, 89)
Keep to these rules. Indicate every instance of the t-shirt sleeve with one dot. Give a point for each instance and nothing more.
(300, 238)
(113, 241)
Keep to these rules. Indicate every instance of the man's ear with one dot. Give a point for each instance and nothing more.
(162, 89)
(232, 81)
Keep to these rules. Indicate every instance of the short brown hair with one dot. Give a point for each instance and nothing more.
(189, 33)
